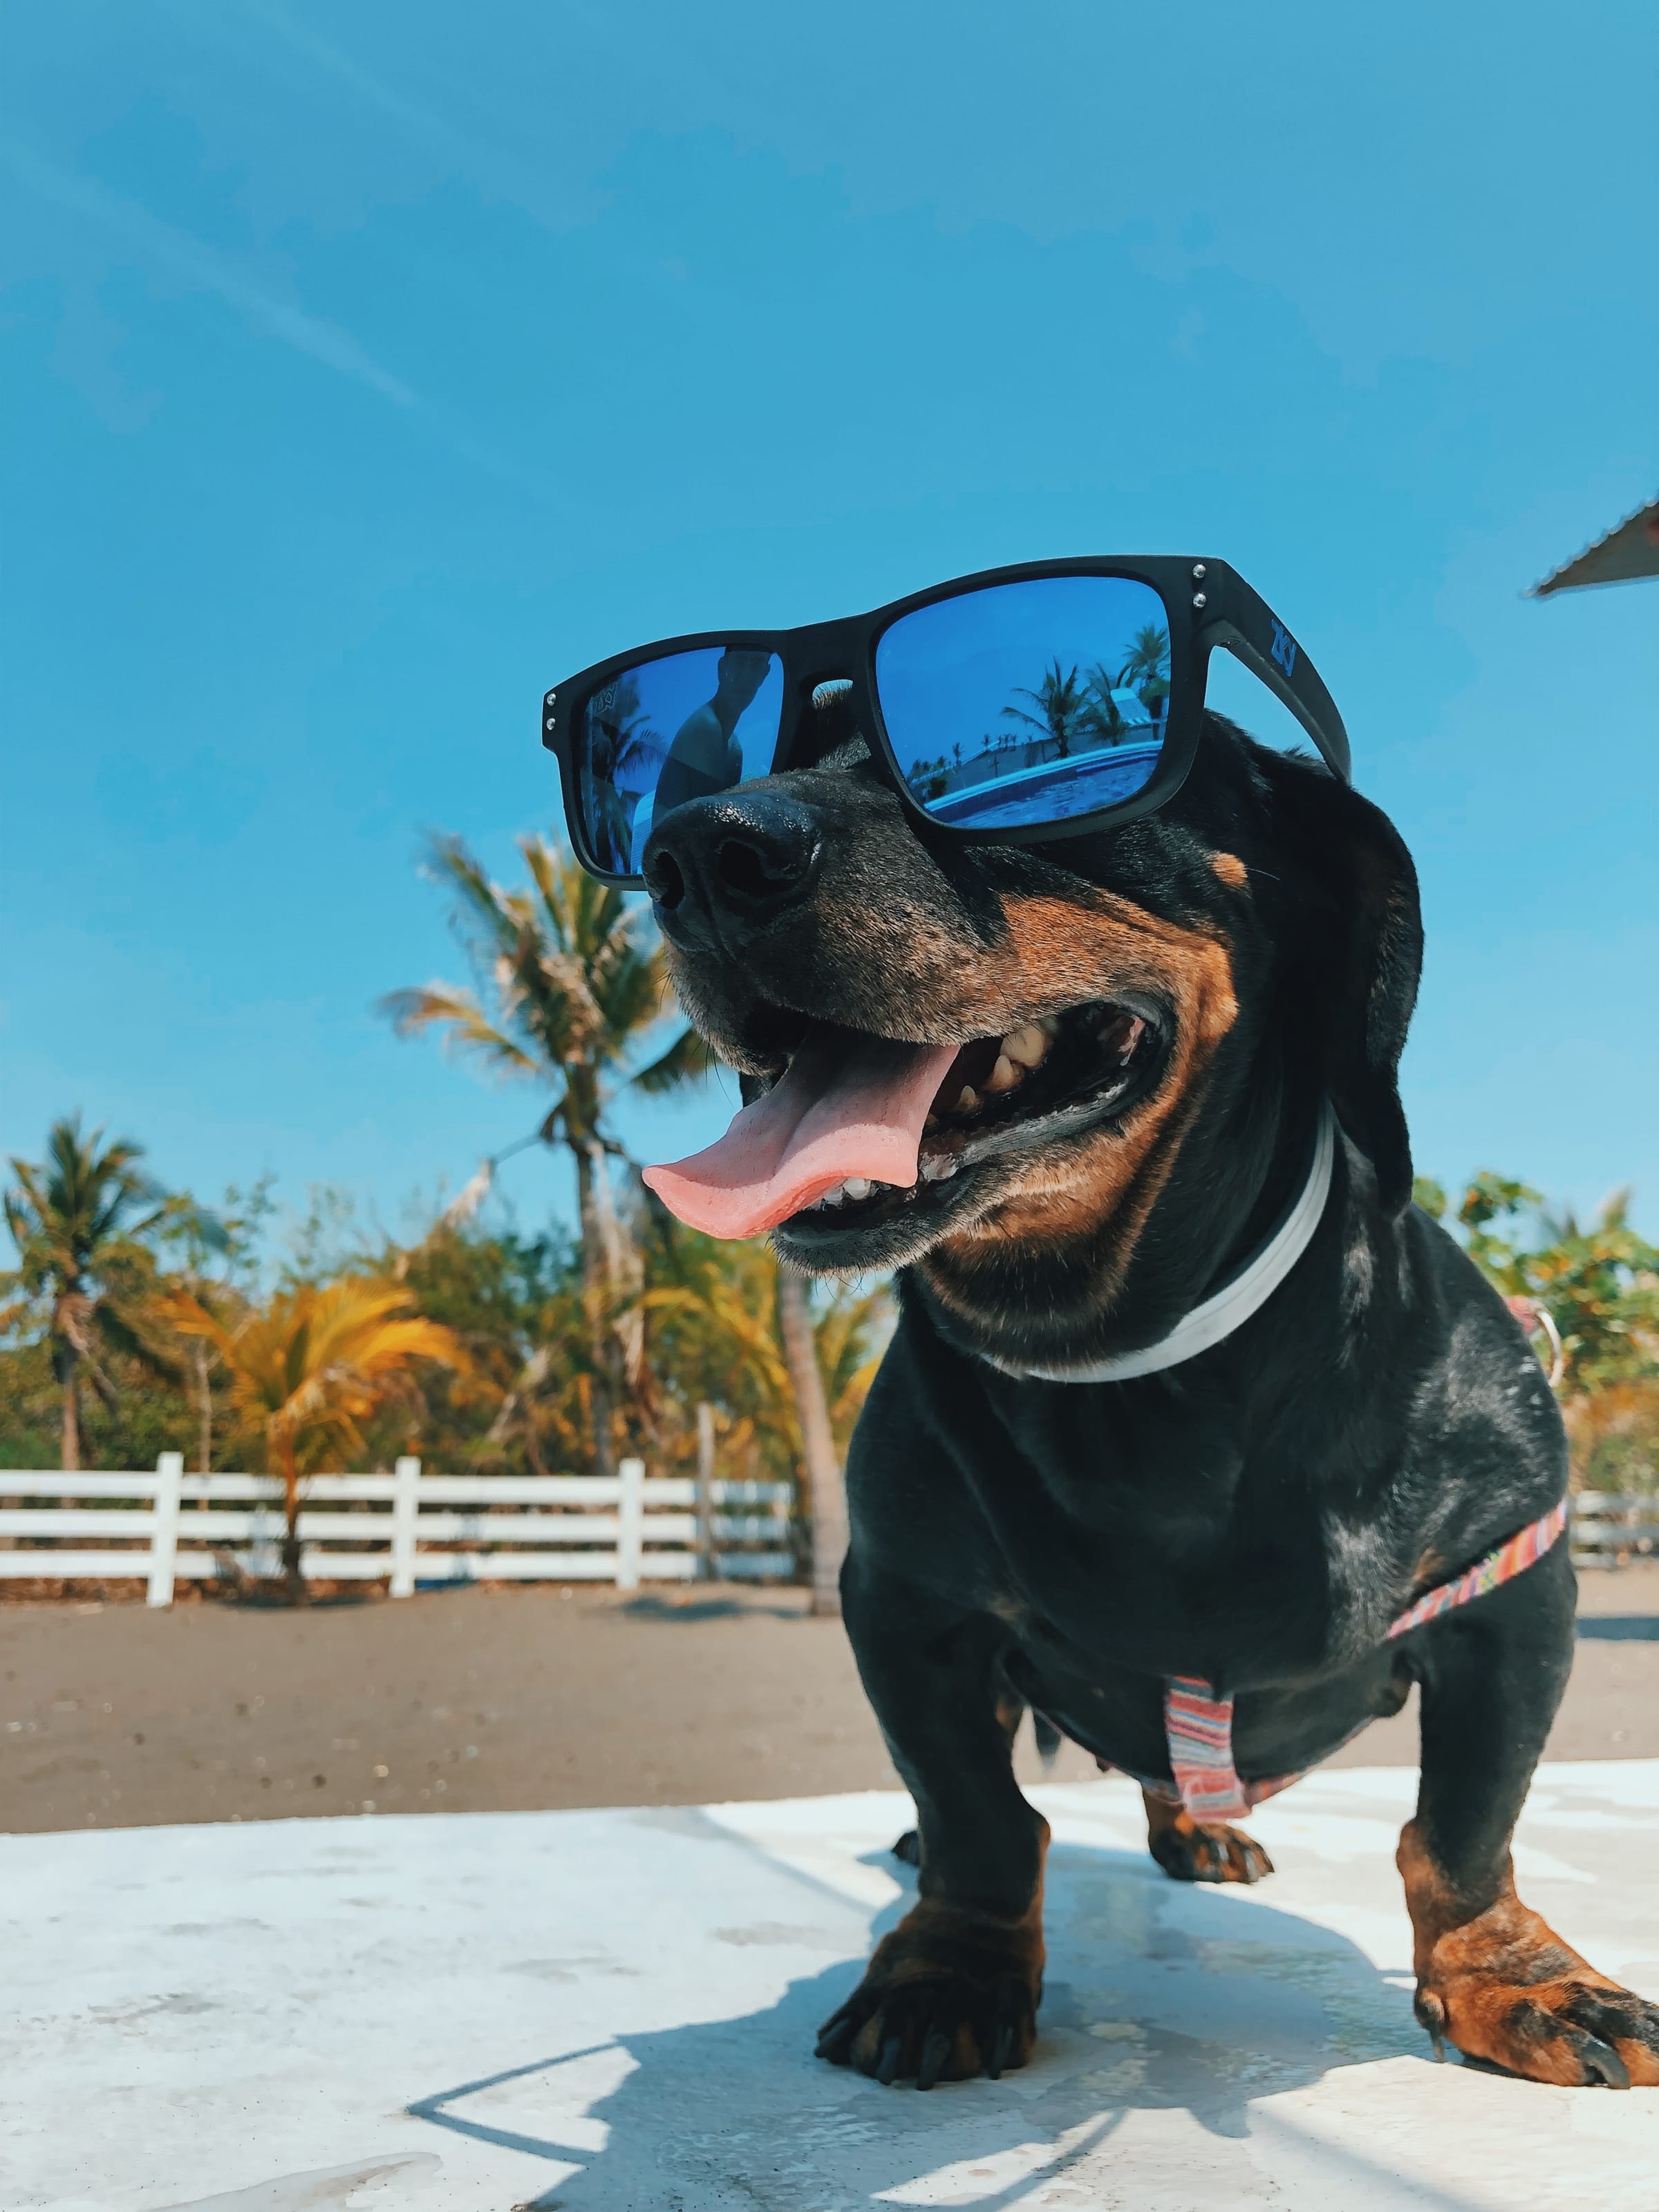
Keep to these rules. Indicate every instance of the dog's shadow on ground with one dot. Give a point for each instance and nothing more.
(652, 1607)
(1160, 1996)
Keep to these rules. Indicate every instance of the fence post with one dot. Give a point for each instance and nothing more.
(630, 1523)
(164, 1528)
(705, 1491)
(406, 1517)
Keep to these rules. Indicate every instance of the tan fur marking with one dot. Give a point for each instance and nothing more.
(1231, 870)
(1492, 1978)
(1216, 1841)
(1066, 952)
(1162, 1815)
(1010, 1711)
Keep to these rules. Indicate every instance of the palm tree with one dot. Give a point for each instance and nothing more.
(1149, 656)
(1102, 716)
(1148, 668)
(200, 1237)
(570, 986)
(824, 1487)
(733, 1326)
(308, 1368)
(1600, 1285)
(77, 1221)
(1059, 700)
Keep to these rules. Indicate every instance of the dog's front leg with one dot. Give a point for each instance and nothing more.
(1492, 1976)
(953, 1991)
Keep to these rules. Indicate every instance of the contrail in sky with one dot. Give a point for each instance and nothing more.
(500, 172)
(208, 270)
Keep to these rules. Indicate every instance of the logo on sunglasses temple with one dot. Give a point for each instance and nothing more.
(1284, 648)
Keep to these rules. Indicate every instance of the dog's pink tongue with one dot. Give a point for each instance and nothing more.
(849, 1105)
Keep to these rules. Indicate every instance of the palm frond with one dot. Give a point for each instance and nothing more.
(689, 1058)
(450, 1007)
(119, 1334)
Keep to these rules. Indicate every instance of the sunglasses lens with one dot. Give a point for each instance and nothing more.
(1028, 702)
(682, 727)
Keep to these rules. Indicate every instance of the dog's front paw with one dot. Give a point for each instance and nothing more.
(1202, 1851)
(1504, 1989)
(948, 1995)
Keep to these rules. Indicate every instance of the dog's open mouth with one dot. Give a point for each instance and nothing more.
(861, 1128)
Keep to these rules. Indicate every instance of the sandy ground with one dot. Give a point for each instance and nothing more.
(511, 1699)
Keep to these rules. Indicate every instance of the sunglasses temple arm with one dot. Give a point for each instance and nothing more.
(1300, 688)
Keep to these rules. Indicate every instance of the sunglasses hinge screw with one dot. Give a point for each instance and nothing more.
(1198, 599)
(1198, 570)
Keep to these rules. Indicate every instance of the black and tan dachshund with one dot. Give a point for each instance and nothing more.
(1128, 1047)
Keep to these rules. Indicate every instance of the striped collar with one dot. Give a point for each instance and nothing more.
(1244, 1292)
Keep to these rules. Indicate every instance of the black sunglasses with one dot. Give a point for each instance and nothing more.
(1050, 700)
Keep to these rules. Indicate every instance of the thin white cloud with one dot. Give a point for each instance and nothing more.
(492, 165)
(421, 120)
(208, 270)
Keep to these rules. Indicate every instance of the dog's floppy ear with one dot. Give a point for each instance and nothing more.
(1357, 953)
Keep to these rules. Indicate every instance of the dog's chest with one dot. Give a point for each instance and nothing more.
(1155, 1544)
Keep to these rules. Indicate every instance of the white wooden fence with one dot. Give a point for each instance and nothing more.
(621, 1529)
(1608, 1528)
(624, 1529)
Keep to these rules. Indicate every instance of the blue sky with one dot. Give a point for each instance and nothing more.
(367, 368)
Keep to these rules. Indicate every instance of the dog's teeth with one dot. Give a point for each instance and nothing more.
(938, 1167)
(967, 1099)
(930, 1125)
(857, 1187)
(1003, 1075)
(835, 1197)
(1026, 1047)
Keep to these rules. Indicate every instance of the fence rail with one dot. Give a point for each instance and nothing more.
(624, 1529)
(174, 1526)
(1608, 1528)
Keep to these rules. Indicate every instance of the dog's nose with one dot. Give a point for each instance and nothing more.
(715, 867)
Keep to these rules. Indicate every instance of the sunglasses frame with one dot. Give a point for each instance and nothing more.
(1207, 605)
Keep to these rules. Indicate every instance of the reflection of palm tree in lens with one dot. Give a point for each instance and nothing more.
(705, 757)
(1148, 668)
(929, 778)
(1059, 701)
(1103, 717)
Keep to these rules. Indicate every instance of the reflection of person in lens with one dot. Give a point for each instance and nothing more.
(705, 757)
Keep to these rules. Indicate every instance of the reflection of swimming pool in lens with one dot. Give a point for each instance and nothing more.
(1052, 792)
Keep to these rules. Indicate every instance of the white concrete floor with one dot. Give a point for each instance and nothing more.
(614, 2009)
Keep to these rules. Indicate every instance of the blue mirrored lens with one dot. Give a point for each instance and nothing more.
(1028, 702)
(672, 730)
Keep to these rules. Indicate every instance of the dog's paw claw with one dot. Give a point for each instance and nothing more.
(1575, 2033)
(948, 1995)
(935, 2052)
(835, 2038)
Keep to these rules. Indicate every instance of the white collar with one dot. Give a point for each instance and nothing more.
(1244, 1293)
